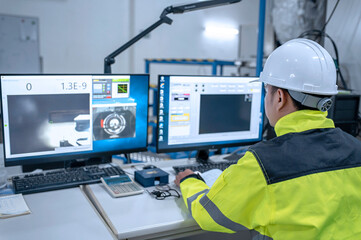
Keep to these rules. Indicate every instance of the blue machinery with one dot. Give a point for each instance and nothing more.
(261, 24)
(211, 62)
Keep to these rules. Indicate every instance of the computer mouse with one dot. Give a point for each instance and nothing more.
(149, 167)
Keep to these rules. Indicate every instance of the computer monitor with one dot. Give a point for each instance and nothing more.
(59, 118)
(208, 112)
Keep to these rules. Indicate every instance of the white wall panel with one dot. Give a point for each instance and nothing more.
(76, 35)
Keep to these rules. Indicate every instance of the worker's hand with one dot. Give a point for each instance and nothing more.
(182, 175)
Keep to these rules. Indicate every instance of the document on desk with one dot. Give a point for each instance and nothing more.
(13, 205)
(211, 176)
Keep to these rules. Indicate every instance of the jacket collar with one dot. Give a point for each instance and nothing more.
(301, 121)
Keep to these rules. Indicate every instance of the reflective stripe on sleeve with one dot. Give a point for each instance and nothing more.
(219, 217)
(194, 197)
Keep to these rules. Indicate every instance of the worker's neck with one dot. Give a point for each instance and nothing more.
(285, 111)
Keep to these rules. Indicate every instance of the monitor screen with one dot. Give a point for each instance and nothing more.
(206, 112)
(48, 118)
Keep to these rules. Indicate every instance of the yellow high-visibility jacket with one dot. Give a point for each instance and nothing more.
(304, 184)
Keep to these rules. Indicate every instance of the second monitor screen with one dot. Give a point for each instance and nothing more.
(200, 112)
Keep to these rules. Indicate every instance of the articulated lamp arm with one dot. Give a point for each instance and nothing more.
(110, 59)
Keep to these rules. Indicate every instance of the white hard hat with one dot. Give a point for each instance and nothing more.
(301, 65)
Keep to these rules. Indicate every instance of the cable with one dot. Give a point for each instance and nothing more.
(322, 33)
(318, 33)
(329, 18)
(163, 191)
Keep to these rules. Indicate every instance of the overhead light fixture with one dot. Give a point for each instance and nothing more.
(221, 31)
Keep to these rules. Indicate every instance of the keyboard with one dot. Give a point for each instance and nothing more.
(63, 178)
(203, 167)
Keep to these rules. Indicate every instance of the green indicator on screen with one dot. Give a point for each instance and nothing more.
(122, 88)
(121, 80)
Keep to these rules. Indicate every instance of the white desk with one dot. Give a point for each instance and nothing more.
(62, 214)
(142, 216)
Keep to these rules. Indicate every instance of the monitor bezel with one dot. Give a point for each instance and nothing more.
(208, 146)
(74, 156)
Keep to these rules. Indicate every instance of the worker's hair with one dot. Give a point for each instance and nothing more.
(297, 104)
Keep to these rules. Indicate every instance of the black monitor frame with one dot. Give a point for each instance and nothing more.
(73, 159)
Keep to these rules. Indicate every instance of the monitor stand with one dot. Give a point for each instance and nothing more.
(67, 164)
(202, 156)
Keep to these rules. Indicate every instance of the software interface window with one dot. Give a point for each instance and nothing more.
(208, 109)
(53, 114)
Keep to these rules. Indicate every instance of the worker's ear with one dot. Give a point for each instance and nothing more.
(282, 98)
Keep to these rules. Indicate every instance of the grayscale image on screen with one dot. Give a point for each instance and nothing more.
(46, 122)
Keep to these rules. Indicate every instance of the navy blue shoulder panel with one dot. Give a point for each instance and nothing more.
(298, 154)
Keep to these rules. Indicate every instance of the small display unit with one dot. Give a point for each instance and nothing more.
(208, 112)
(58, 118)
